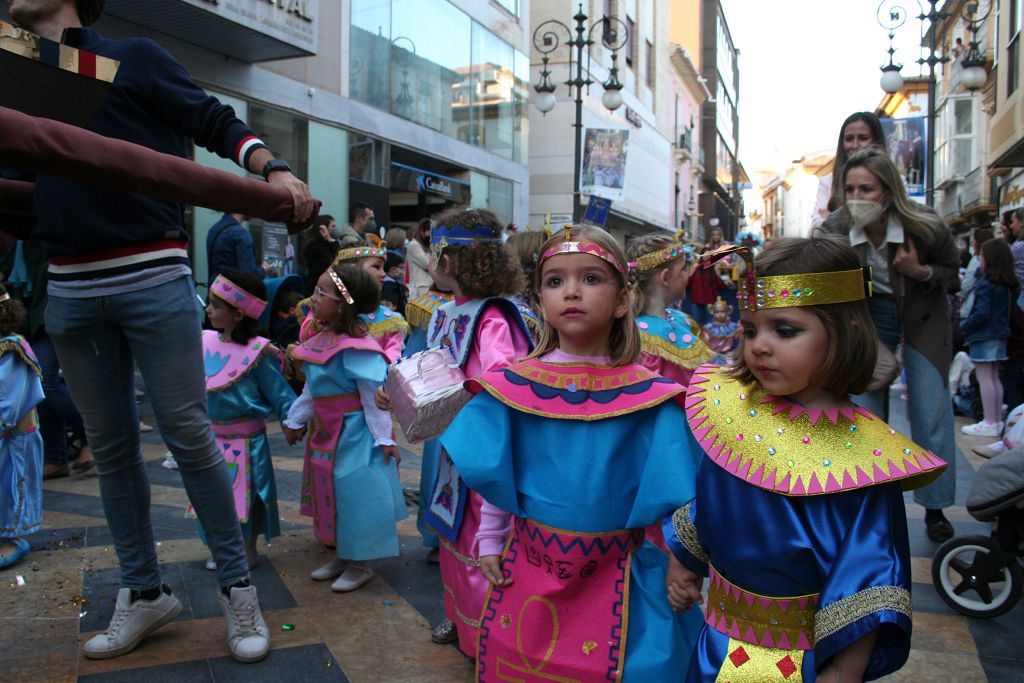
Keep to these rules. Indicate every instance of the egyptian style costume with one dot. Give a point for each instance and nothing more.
(530, 316)
(721, 337)
(388, 327)
(798, 520)
(584, 456)
(418, 312)
(21, 446)
(671, 344)
(483, 335)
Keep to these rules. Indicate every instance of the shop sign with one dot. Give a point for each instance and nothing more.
(1011, 195)
(417, 180)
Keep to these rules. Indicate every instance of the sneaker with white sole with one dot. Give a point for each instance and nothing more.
(248, 635)
(169, 462)
(331, 570)
(132, 621)
(355, 577)
(983, 429)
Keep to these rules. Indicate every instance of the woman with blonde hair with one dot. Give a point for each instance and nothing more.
(913, 260)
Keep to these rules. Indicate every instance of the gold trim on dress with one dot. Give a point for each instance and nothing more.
(686, 532)
(771, 621)
(690, 357)
(833, 618)
(585, 418)
(468, 561)
(395, 323)
(12, 345)
(474, 623)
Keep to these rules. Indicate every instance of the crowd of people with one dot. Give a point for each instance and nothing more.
(642, 418)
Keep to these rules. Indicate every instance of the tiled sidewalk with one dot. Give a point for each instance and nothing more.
(380, 633)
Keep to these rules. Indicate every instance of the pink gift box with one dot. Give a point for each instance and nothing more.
(426, 393)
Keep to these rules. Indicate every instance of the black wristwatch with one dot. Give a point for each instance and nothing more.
(275, 165)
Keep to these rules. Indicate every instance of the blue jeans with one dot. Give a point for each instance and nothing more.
(99, 340)
(929, 404)
(57, 414)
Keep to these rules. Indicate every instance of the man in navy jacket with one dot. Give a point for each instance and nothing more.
(120, 294)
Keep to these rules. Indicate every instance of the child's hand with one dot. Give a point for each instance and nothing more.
(391, 453)
(683, 586)
(292, 436)
(490, 565)
(382, 400)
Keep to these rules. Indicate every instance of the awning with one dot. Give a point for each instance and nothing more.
(248, 30)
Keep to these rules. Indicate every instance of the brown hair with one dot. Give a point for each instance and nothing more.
(980, 236)
(525, 249)
(12, 314)
(999, 263)
(877, 137)
(417, 232)
(624, 341)
(853, 348)
(246, 328)
(395, 239)
(365, 294)
(482, 269)
(641, 246)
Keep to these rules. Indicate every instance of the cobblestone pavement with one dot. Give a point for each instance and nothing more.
(64, 593)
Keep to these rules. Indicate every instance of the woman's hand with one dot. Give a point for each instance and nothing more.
(292, 436)
(382, 400)
(490, 565)
(683, 586)
(907, 261)
(391, 453)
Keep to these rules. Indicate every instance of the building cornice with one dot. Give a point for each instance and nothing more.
(687, 70)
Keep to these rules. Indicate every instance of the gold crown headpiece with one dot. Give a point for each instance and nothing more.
(798, 289)
(663, 256)
(568, 246)
(354, 253)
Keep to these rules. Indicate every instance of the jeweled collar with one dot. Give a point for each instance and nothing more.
(673, 339)
(576, 391)
(326, 344)
(226, 362)
(383, 322)
(783, 447)
(15, 343)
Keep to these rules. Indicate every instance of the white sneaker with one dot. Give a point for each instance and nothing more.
(145, 428)
(983, 429)
(330, 570)
(248, 635)
(169, 462)
(356, 576)
(211, 564)
(132, 621)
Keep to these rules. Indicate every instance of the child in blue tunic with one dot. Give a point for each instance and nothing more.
(798, 517)
(21, 446)
(244, 386)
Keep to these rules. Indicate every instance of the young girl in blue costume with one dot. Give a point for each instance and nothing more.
(670, 339)
(798, 517)
(350, 474)
(244, 386)
(21, 446)
(525, 249)
(388, 327)
(583, 447)
(484, 331)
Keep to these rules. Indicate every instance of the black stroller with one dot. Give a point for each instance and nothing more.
(981, 576)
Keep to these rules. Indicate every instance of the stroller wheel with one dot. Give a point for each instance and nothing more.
(971, 576)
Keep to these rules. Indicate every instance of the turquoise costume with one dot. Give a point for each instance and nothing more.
(585, 457)
(238, 405)
(672, 346)
(21, 446)
(799, 522)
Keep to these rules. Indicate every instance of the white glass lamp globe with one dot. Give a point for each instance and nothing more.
(612, 99)
(544, 101)
(891, 81)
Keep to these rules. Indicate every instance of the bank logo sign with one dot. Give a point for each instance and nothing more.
(290, 21)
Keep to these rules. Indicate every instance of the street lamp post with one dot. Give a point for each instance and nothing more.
(891, 16)
(546, 39)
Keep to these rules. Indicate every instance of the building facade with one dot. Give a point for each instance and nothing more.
(1006, 129)
(687, 95)
(406, 105)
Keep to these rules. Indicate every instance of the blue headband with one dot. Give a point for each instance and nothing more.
(463, 236)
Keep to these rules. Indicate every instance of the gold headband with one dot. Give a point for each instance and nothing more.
(662, 256)
(341, 287)
(799, 289)
(354, 253)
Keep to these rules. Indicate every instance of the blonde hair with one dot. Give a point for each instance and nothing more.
(641, 246)
(926, 226)
(624, 340)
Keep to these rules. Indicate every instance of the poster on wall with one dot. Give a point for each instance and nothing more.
(603, 173)
(905, 143)
(274, 237)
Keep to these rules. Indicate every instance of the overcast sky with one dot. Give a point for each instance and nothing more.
(805, 65)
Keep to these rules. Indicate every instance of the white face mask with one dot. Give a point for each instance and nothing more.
(864, 212)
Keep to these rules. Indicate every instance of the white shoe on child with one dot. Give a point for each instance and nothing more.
(356, 576)
(330, 570)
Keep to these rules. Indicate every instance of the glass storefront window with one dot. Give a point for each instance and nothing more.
(499, 198)
(285, 134)
(370, 53)
(364, 158)
(521, 122)
(491, 85)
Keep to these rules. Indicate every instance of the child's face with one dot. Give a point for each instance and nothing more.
(722, 315)
(326, 299)
(222, 315)
(396, 272)
(581, 297)
(675, 280)
(375, 267)
(785, 349)
(438, 270)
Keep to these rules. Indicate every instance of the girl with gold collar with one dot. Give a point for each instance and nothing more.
(798, 517)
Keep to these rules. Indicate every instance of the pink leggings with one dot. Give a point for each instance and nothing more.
(991, 391)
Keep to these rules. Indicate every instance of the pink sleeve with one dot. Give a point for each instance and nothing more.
(495, 525)
(391, 344)
(496, 343)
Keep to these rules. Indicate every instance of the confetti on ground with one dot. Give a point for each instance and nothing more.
(20, 580)
(288, 627)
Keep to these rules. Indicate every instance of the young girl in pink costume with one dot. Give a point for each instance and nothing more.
(671, 342)
(586, 449)
(244, 386)
(484, 331)
(350, 475)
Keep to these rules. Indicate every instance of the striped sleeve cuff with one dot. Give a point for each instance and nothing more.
(245, 148)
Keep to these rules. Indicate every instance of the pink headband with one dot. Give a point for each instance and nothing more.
(233, 295)
(597, 250)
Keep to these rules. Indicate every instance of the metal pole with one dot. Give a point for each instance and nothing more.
(929, 165)
(579, 43)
